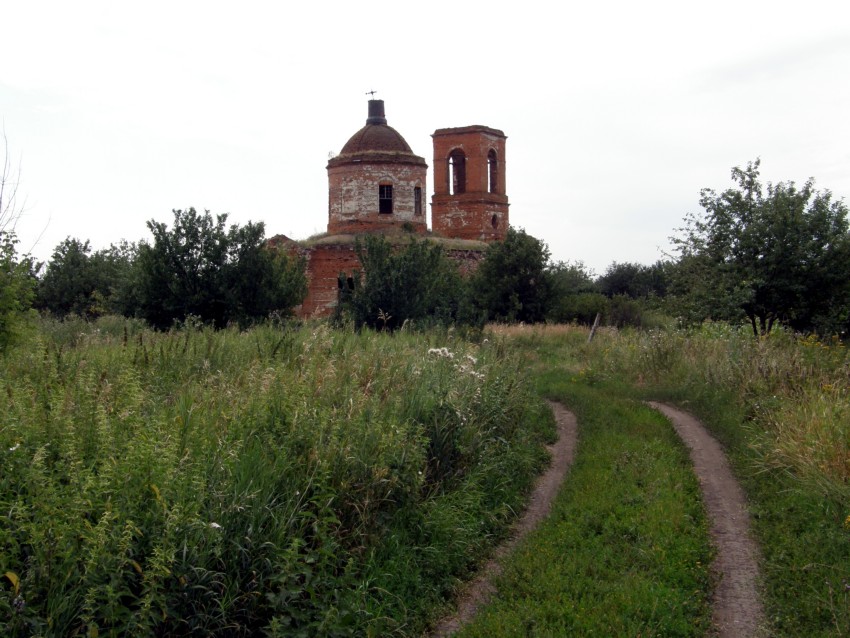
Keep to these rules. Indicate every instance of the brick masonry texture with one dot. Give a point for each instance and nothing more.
(353, 196)
(377, 156)
(479, 208)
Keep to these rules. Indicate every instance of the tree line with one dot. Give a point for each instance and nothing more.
(755, 254)
(199, 268)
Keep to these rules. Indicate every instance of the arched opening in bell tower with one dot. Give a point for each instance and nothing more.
(492, 172)
(457, 172)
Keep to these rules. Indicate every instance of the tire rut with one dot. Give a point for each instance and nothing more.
(478, 592)
(737, 607)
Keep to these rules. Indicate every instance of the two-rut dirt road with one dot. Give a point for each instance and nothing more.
(737, 608)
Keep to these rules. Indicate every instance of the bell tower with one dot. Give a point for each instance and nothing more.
(470, 201)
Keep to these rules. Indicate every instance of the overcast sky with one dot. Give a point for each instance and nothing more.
(617, 113)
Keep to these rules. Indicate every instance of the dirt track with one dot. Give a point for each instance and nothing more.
(737, 608)
(478, 592)
(738, 611)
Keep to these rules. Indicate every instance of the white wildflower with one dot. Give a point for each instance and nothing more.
(14, 447)
(215, 526)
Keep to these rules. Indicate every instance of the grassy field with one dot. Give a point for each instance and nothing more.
(625, 551)
(278, 481)
(779, 406)
(307, 481)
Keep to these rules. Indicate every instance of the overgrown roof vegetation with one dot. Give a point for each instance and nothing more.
(396, 237)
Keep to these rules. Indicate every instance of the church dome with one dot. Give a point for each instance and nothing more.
(376, 141)
(376, 137)
(376, 183)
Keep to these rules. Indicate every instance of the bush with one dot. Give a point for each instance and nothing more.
(415, 283)
(513, 282)
(581, 308)
(199, 268)
(16, 290)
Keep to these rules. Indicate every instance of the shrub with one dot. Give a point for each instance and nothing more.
(278, 480)
(415, 283)
(513, 282)
(16, 290)
(219, 275)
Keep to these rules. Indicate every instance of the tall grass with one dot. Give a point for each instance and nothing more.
(780, 405)
(279, 481)
(794, 391)
(625, 551)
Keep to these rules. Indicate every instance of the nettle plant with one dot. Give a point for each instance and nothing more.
(281, 480)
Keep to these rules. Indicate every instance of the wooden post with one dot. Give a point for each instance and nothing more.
(595, 325)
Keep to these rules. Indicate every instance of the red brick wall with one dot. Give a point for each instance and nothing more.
(353, 196)
(467, 260)
(476, 213)
(326, 262)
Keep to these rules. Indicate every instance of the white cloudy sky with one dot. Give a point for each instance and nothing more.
(617, 113)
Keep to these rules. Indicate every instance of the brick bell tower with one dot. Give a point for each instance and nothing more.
(469, 200)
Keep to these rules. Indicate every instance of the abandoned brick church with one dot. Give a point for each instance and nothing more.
(376, 184)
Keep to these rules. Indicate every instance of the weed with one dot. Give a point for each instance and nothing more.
(625, 550)
(287, 480)
(781, 406)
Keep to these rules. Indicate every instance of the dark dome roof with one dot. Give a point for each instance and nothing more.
(376, 137)
(376, 142)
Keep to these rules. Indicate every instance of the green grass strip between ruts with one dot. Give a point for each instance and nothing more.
(626, 549)
(778, 407)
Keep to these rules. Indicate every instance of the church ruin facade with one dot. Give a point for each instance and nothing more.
(377, 184)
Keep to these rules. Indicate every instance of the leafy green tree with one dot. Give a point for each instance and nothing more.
(16, 290)
(633, 280)
(513, 282)
(573, 295)
(16, 272)
(202, 268)
(119, 265)
(79, 282)
(415, 282)
(570, 278)
(68, 282)
(777, 254)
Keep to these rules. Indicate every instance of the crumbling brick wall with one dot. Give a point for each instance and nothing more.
(470, 200)
(326, 262)
(353, 197)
